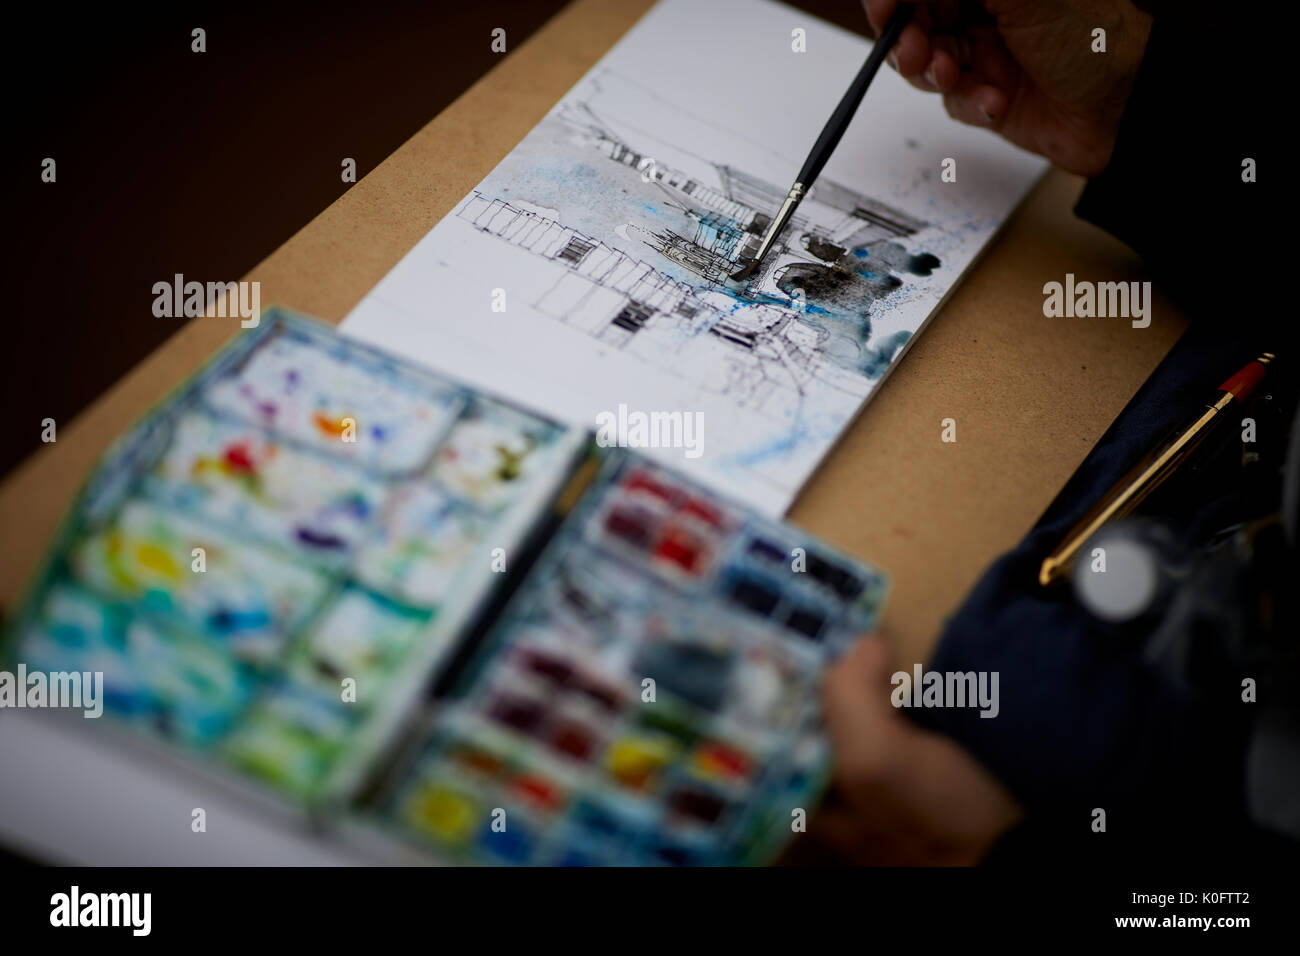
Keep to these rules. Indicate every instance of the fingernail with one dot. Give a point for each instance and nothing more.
(987, 115)
(928, 76)
(893, 59)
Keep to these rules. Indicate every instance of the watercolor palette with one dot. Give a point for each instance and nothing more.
(649, 695)
(274, 564)
(277, 567)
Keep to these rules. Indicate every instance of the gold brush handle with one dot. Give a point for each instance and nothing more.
(1145, 478)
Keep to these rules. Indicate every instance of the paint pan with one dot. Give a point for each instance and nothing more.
(425, 543)
(249, 596)
(324, 393)
(493, 454)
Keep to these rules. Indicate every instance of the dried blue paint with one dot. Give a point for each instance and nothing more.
(877, 360)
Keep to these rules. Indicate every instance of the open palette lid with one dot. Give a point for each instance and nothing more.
(271, 567)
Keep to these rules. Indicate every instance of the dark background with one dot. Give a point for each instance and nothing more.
(172, 161)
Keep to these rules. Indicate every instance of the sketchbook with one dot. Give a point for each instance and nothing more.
(588, 272)
(411, 617)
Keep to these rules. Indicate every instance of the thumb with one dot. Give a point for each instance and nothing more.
(860, 719)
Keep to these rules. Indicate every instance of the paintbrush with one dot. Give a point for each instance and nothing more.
(830, 136)
(1151, 471)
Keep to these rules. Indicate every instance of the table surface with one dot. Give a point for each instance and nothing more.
(1029, 395)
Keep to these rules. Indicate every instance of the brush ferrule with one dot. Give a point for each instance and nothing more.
(783, 216)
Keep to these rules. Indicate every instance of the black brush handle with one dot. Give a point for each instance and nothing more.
(843, 115)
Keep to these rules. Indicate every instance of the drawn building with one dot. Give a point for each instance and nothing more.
(627, 303)
(830, 217)
(644, 308)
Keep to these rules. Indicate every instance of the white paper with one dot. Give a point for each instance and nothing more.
(585, 276)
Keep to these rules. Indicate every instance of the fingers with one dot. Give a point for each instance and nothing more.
(878, 14)
(911, 54)
(908, 795)
(944, 72)
(857, 687)
(942, 43)
(973, 72)
(867, 734)
(976, 103)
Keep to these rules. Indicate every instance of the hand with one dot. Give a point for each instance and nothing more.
(902, 795)
(1026, 69)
